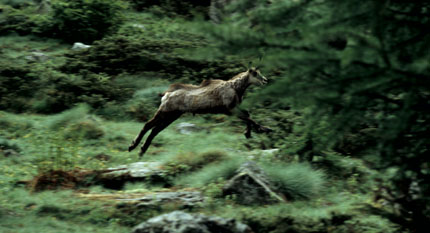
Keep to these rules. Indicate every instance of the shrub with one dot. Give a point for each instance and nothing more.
(169, 7)
(144, 52)
(85, 20)
(43, 89)
(297, 180)
(16, 20)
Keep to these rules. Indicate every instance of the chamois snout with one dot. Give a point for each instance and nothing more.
(263, 80)
(256, 77)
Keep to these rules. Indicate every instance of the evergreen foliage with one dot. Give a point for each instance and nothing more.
(354, 65)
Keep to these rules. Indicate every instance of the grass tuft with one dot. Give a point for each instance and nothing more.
(211, 173)
(75, 114)
(297, 180)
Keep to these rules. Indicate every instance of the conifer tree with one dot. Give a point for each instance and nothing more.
(354, 65)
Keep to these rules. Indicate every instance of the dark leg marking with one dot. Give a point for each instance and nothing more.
(149, 125)
(157, 129)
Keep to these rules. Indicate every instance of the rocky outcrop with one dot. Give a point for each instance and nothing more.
(182, 222)
(141, 171)
(181, 199)
(252, 186)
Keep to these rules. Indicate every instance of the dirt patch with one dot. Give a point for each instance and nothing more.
(60, 179)
(55, 179)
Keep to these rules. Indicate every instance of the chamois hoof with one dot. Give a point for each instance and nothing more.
(132, 146)
(248, 134)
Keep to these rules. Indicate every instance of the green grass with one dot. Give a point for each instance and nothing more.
(211, 173)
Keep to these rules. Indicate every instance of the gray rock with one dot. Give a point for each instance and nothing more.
(252, 186)
(37, 57)
(182, 222)
(134, 170)
(184, 199)
(187, 128)
(80, 46)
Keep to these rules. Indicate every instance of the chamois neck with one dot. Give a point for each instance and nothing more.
(240, 83)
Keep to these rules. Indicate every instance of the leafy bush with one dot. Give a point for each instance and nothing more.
(85, 20)
(17, 20)
(297, 180)
(170, 7)
(38, 88)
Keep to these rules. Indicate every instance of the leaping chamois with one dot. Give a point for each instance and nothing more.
(211, 96)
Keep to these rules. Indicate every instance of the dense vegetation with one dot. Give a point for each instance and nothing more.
(348, 100)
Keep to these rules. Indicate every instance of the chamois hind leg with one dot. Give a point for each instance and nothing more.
(251, 124)
(149, 125)
(161, 125)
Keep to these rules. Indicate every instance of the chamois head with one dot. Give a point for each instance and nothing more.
(255, 76)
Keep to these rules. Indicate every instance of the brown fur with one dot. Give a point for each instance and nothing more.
(211, 96)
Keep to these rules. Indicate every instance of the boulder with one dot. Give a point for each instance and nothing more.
(182, 222)
(80, 46)
(252, 186)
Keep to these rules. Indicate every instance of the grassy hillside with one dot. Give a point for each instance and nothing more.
(67, 113)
